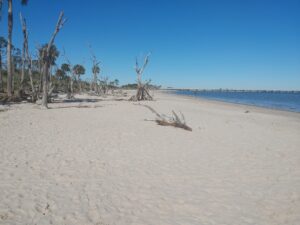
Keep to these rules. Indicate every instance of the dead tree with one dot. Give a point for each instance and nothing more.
(174, 120)
(40, 65)
(21, 88)
(142, 88)
(96, 70)
(1, 79)
(26, 59)
(3, 45)
(46, 59)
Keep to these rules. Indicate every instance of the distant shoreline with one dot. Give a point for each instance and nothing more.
(230, 90)
(256, 106)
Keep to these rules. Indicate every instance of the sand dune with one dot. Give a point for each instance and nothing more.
(107, 164)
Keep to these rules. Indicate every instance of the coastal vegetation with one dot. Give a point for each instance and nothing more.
(35, 77)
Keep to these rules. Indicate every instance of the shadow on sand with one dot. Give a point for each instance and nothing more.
(76, 100)
(76, 106)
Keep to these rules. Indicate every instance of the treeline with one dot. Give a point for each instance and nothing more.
(65, 78)
(134, 86)
(36, 76)
(27, 76)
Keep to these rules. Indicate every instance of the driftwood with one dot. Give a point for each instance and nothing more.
(142, 88)
(174, 120)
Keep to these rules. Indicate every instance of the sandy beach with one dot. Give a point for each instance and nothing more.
(110, 163)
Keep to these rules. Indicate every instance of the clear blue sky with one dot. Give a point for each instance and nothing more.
(245, 44)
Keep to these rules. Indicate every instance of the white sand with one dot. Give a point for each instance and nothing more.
(107, 165)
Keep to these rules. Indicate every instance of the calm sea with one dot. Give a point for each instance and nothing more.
(289, 101)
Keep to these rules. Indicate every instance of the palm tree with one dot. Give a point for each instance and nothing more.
(53, 55)
(60, 74)
(9, 45)
(67, 70)
(79, 70)
(65, 67)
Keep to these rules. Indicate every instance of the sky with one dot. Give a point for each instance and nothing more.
(235, 44)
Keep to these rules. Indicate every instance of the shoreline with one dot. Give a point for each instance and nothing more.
(256, 108)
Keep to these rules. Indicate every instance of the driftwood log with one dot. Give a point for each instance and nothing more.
(174, 120)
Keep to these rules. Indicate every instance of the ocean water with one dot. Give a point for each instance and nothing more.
(283, 100)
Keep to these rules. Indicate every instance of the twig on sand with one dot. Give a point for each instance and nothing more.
(174, 121)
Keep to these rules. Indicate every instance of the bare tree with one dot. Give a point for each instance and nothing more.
(40, 67)
(9, 46)
(26, 58)
(1, 79)
(23, 22)
(142, 88)
(96, 70)
(46, 59)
